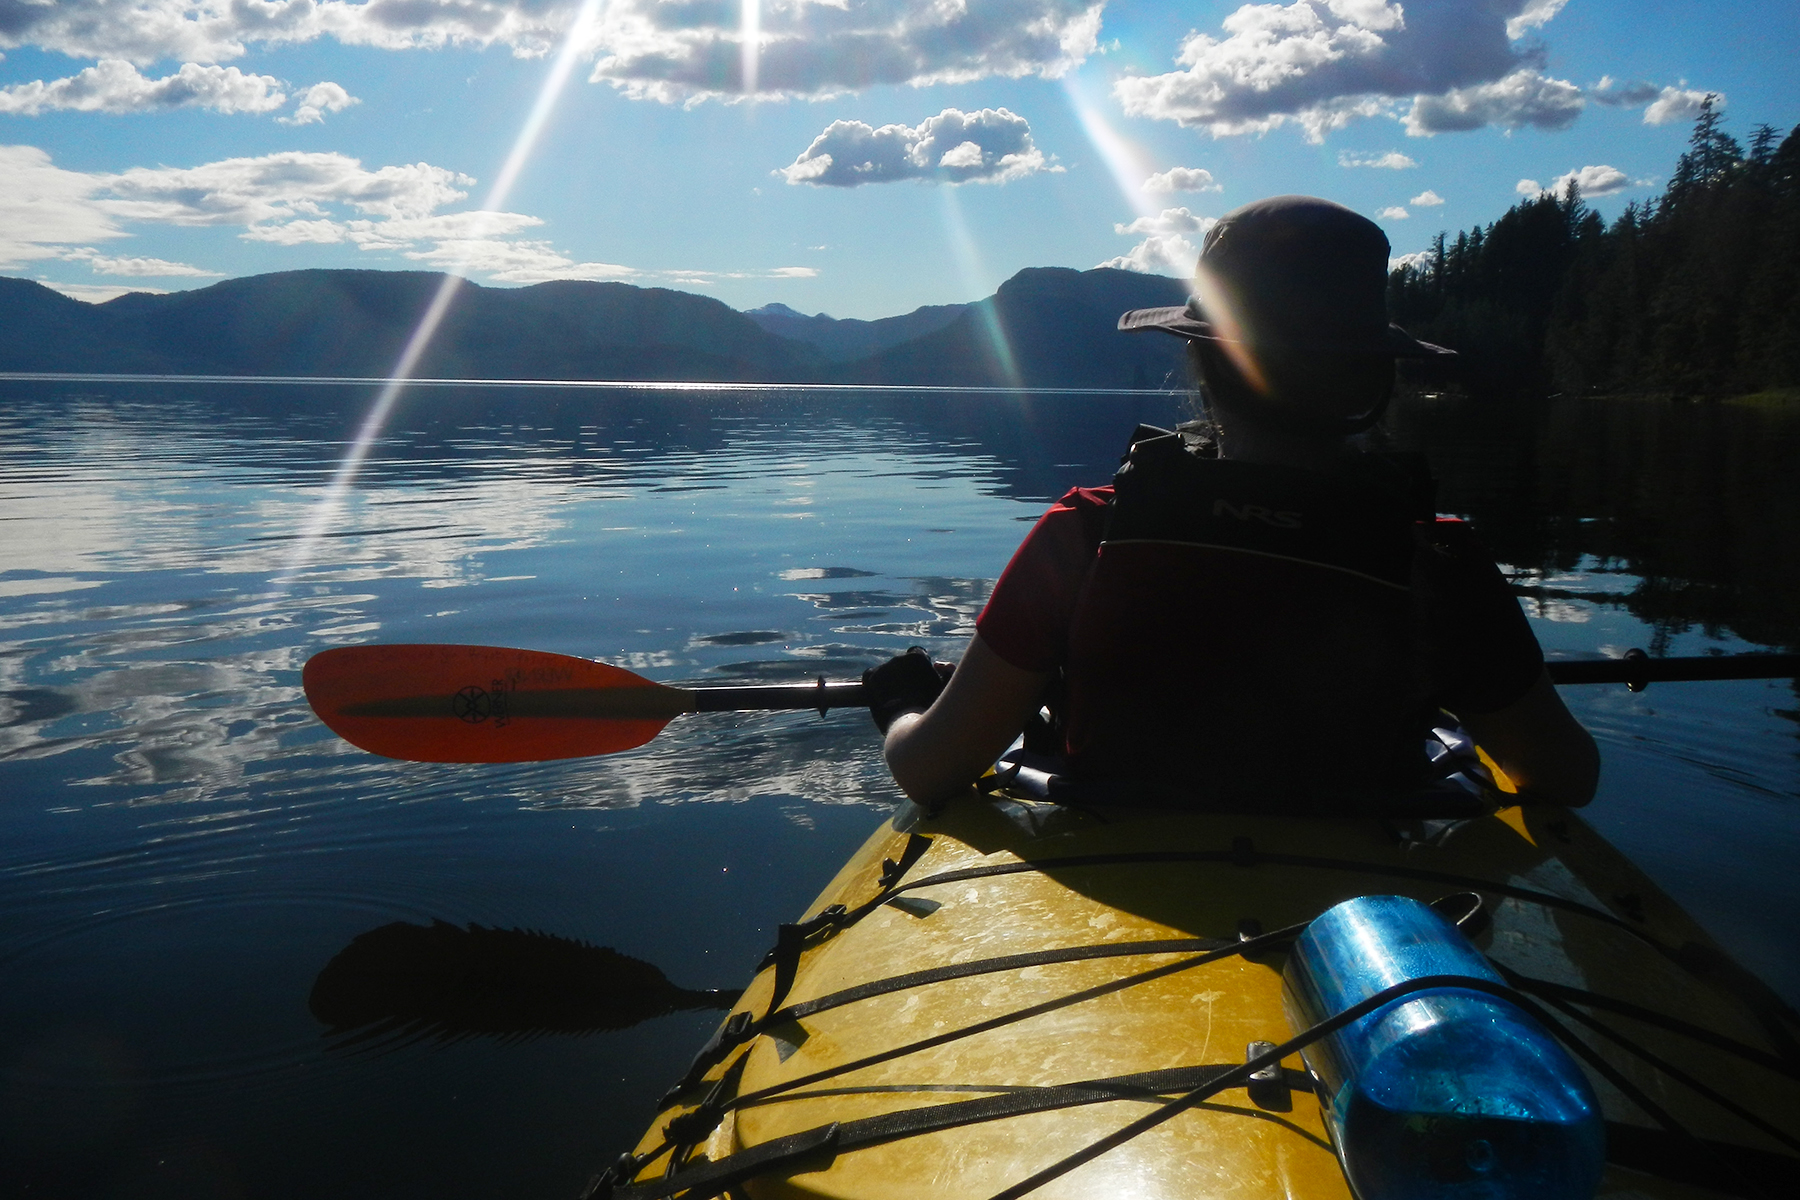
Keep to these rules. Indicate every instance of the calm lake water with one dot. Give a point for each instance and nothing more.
(183, 848)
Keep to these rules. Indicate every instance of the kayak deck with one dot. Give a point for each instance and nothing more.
(1009, 982)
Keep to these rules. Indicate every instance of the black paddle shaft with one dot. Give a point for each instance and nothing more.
(820, 695)
(1638, 670)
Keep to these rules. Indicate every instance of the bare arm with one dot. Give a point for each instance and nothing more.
(1540, 745)
(939, 752)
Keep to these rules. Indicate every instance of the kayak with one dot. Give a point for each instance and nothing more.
(982, 993)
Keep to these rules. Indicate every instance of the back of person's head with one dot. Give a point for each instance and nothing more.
(1314, 397)
(1288, 324)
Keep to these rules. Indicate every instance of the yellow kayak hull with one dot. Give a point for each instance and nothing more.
(1571, 919)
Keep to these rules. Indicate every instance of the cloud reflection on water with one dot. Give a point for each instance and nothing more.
(185, 685)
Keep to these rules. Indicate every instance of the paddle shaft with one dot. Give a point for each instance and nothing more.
(820, 695)
(1638, 670)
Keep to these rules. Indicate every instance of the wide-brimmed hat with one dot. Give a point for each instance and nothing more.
(1290, 274)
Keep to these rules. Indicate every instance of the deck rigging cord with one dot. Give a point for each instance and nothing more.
(697, 1179)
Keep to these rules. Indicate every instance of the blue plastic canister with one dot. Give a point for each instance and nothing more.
(1445, 1093)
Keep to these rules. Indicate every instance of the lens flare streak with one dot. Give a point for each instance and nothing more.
(1128, 163)
(974, 275)
(750, 43)
(325, 512)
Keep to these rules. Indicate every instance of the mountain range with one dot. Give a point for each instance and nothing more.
(1044, 327)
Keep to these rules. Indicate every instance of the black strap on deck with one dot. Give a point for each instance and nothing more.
(698, 1179)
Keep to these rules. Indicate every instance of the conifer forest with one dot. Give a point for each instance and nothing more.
(1693, 293)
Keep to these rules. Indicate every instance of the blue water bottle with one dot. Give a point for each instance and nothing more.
(1447, 1093)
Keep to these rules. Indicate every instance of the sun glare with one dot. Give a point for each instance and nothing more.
(326, 510)
(1128, 163)
(750, 42)
(974, 279)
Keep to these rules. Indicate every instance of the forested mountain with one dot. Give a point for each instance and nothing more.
(1046, 327)
(1696, 292)
(326, 322)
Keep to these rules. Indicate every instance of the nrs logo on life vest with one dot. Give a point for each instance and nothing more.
(1256, 512)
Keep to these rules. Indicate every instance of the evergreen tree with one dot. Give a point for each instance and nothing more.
(1696, 292)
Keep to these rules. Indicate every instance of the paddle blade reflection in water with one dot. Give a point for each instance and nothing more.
(405, 981)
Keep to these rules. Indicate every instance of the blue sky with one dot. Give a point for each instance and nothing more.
(858, 157)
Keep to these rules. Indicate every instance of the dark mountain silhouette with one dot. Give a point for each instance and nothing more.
(357, 323)
(849, 339)
(1059, 325)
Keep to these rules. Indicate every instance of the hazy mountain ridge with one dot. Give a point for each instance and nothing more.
(1058, 323)
(1044, 327)
(850, 338)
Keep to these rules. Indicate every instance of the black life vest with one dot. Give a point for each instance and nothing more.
(1247, 632)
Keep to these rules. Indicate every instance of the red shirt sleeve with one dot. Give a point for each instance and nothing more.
(1026, 620)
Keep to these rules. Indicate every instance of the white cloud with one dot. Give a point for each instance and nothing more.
(989, 146)
(289, 198)
(1426, 199)
(1526, 97)
(1161, 254)
(1393, 213)
(512, 262)
(1417, 260)
(1167, 247)
(673, 51)
(665, 49)
(128, 268)
(1324, 63)
(1663, 105)
(701, 278)
(1393, 160)
(1593, 181)
(1169, 221)
(1535, 14)
(273, 189)
(145, 31)
(44, 208)
(1599, 180)
(318, 100)
(1182, 179)
(115, 86)
(1610, 91)
(98, 293)
(1679, 104)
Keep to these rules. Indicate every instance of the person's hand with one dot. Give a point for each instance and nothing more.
(904, 683)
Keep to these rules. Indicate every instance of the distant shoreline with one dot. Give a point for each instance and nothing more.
(631, 385)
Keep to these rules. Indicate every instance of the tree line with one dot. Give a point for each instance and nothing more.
(1696, 292)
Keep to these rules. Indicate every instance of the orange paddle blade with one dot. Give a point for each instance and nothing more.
(483, 704)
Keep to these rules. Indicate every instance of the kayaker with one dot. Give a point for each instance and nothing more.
(1269, 614)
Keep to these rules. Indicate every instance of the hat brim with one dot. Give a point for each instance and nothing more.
(1182, 323)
